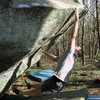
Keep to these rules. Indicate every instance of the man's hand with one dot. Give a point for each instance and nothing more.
(77, 14)
(42, 50)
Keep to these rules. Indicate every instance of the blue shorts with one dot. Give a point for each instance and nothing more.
(52, 85)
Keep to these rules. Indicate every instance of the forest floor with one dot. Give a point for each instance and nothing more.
(83, 81)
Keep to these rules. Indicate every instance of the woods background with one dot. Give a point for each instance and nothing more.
(88, 38)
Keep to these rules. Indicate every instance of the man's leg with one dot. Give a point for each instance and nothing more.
(31, 92)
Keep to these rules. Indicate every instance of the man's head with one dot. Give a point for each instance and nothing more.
(79, 51)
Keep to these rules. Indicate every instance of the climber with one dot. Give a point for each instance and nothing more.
(65, 65)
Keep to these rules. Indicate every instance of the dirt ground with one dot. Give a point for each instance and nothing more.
(79, 80)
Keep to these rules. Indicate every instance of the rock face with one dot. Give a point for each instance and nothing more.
(22, 34)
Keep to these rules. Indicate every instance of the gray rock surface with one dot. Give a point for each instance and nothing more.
(22, 34)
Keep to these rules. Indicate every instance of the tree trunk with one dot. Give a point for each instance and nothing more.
(83, 57)
(98, 31)
(97, 16)
(83, 27)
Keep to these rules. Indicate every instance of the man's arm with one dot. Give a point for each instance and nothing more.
(75, 31)
(51, 56)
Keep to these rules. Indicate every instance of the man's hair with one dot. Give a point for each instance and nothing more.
(80, 52)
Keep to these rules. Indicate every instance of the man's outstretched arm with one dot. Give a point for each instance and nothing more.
(75, 31)
(51, 56)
